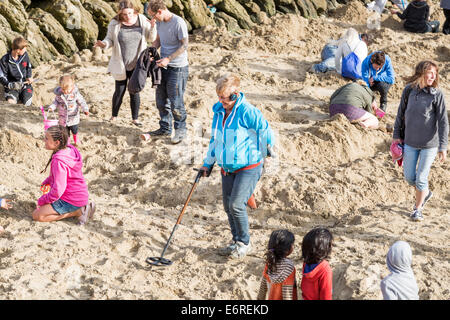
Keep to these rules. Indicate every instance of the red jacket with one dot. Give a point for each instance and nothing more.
(317, 284)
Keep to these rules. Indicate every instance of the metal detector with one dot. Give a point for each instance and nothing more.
(160, 261)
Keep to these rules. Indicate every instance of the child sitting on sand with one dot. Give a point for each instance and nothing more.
(278, 281)
(401, 283)
(317, 277)
(68, 100)
(68, 195)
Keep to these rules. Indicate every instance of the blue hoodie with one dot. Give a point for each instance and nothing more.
(385, 74)
(247, 135)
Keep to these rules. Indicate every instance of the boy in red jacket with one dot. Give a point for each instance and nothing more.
(317, 280)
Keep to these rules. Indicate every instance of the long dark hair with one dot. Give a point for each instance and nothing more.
(316, 245)
(280, 244)
(58, 133)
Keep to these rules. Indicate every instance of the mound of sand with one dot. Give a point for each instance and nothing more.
(329, 172)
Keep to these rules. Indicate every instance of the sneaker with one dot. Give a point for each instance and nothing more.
(228, 249)
(87, 212)
(241, 250)
(417, 215)
(178, 137)
(428, 197)
(160, 133)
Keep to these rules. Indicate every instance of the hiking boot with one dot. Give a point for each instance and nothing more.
(228, 249)
(179, 136)
(87, 212)
(160, 133)
(417, 215)
(241, 250)
(428, 197)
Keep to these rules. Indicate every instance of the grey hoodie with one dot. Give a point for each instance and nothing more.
(401, 283)
(426, 120)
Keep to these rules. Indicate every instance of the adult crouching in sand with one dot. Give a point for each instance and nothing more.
(357, 102)
(68, 194)
(240, 136)
(128, 34)
(422, 126)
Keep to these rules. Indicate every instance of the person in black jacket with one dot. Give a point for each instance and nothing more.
(416, 16)
(15, 73)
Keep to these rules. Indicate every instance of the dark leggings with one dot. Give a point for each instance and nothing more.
(135, 100)
(446, 26)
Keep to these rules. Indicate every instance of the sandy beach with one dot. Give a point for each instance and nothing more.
(329, 172)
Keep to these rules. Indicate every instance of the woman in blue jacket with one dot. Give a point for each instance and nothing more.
(240, 137)
(378, 73)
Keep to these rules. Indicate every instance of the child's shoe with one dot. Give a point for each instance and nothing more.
(87, 212)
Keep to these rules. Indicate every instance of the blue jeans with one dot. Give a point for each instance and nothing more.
(169, 98)
(237, 188)
(62, 207)
(417, 164)
(328, 53)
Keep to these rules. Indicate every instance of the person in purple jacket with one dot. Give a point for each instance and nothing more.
(68, 195)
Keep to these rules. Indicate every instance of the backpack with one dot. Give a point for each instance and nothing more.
(351, 65)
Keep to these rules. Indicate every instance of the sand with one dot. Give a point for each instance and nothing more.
(329, 172)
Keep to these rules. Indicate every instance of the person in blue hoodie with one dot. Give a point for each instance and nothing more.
(240, 138)
(378, 73)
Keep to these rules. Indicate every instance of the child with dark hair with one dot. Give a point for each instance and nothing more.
(68, 195)
(416, 16)
(278, 281)
(317, 278)
(15, 73)
(378, 73)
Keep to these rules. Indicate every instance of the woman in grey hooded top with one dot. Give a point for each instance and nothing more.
(401, 283)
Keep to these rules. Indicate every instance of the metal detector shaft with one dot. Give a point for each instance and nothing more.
(160, 260)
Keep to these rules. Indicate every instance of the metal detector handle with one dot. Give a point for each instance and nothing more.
(200, 173)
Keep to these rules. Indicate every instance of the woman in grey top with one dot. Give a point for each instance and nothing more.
(128, 34)
(422, 126)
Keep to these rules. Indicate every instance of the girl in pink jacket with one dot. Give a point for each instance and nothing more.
(68, 195)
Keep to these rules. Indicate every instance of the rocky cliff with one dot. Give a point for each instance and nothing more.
(64, 27)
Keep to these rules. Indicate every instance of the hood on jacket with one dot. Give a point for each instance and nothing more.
(418, 4)
(69, 156)
(58, 90)
(317, 271)
(399, 258)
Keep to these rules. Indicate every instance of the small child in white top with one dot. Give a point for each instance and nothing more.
(69, 100)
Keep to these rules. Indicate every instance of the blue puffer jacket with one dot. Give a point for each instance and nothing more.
(247, 135)
(385, 74)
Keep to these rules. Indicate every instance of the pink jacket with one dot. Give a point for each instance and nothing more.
(66, 179)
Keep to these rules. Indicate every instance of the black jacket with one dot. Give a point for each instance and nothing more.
(145, 67)
(11, 71)
(416, 16)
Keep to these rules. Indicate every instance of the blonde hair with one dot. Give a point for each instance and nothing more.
(419, 74)
(228, 83)
(67, 81)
